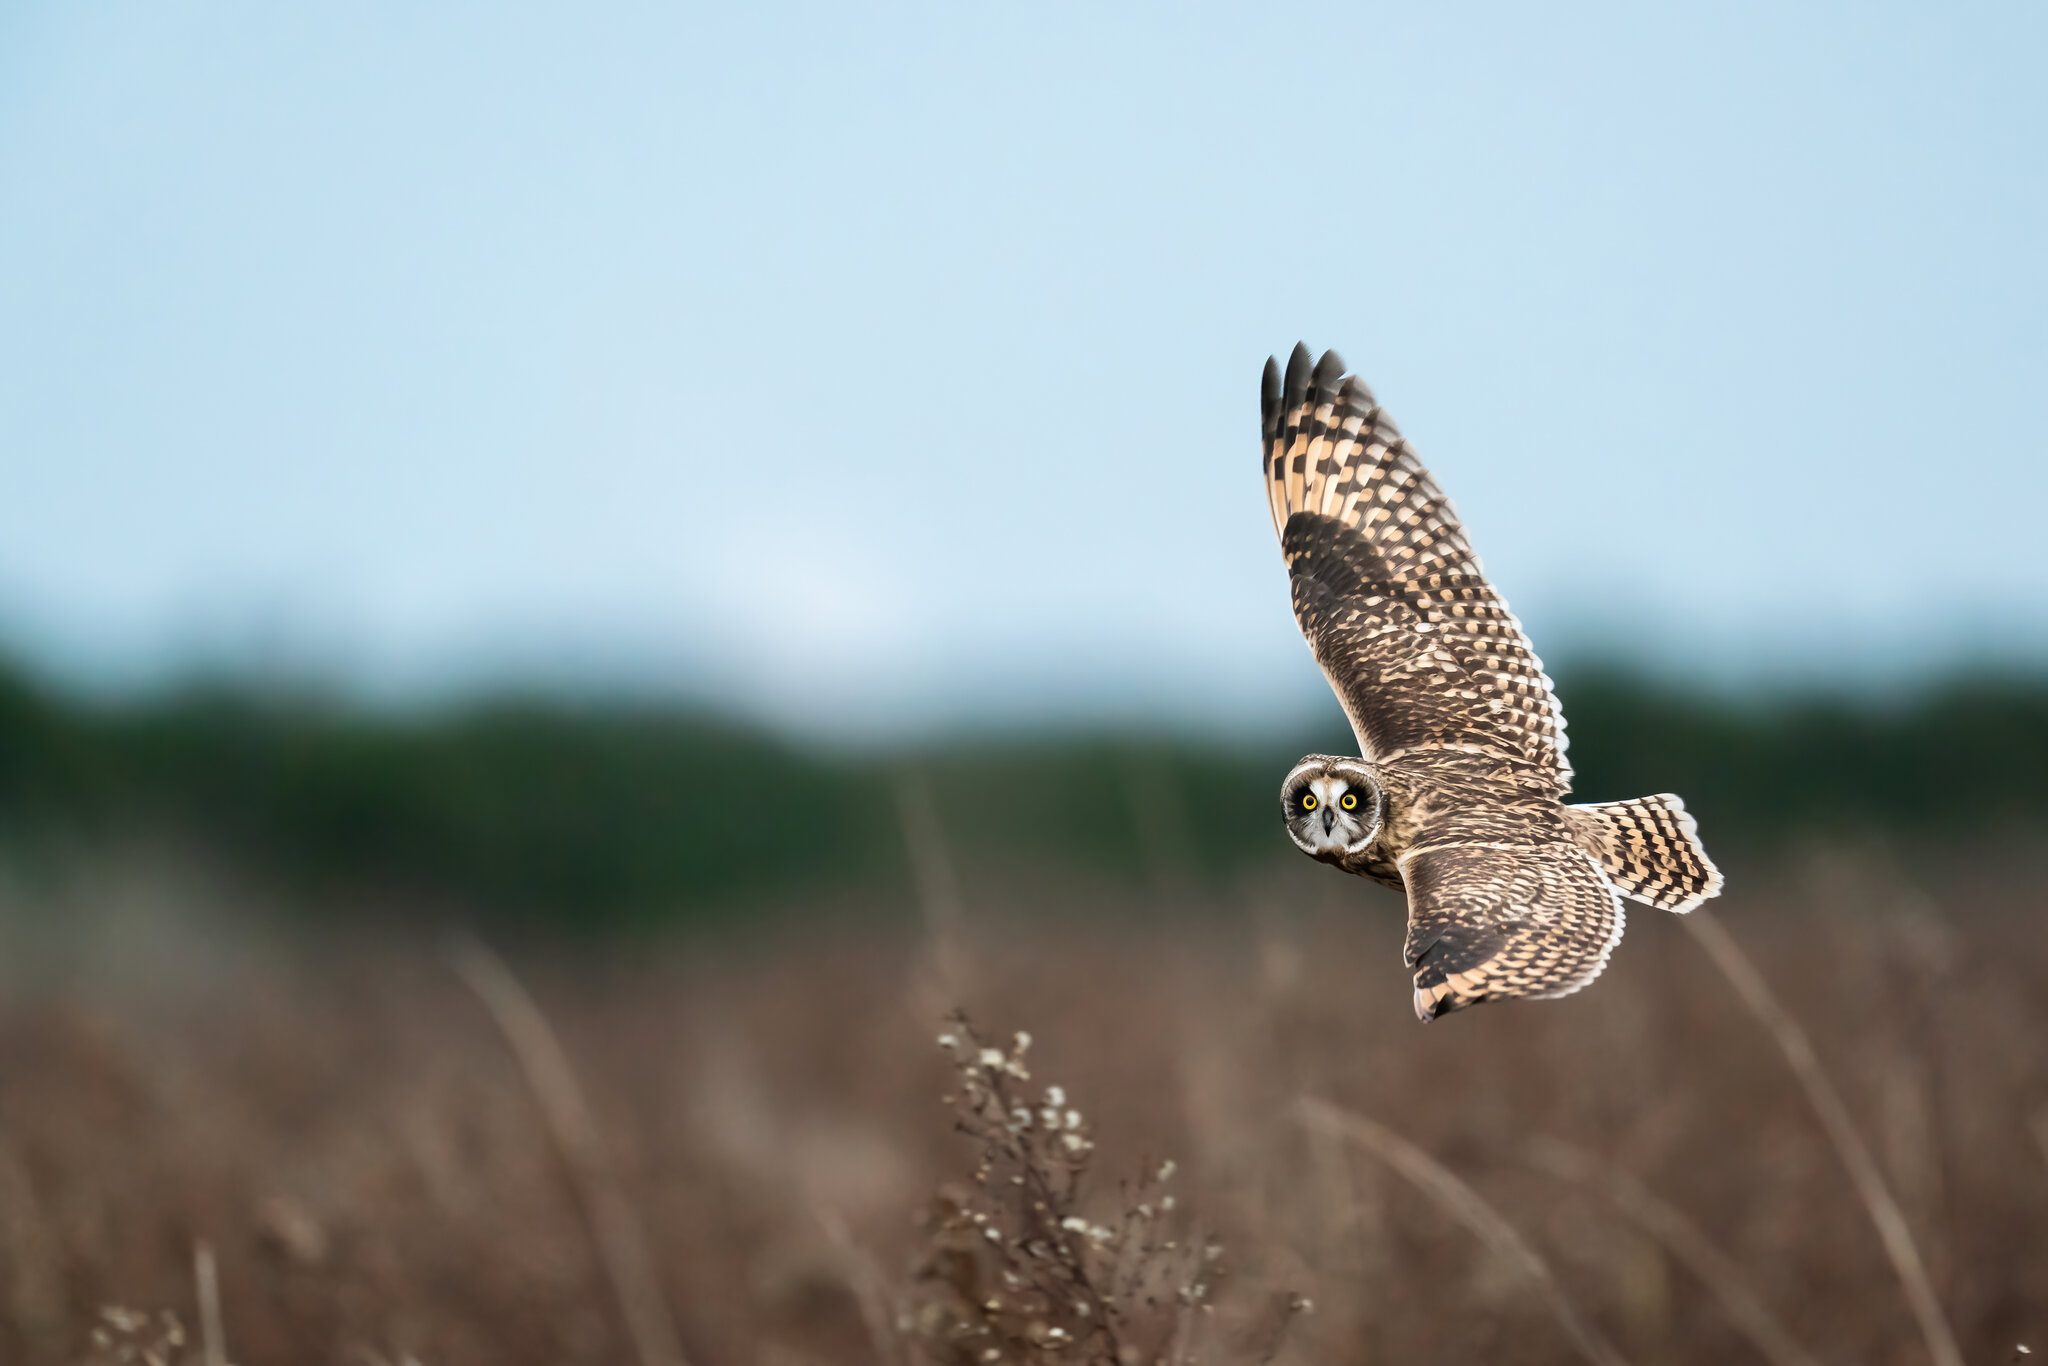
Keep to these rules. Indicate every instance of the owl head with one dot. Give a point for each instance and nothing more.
(1333, 808)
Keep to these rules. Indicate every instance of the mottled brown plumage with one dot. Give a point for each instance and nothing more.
(1511, 892)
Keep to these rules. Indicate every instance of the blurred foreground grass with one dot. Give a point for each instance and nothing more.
(334, 1117)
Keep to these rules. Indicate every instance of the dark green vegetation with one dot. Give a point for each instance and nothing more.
(630, 814)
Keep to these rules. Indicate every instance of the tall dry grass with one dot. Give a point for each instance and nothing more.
(383, 1165)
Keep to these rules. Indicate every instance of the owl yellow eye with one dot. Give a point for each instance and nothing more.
(1349, 801)
(1308, 801)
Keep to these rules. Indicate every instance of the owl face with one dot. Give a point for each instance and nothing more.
(1333, 808)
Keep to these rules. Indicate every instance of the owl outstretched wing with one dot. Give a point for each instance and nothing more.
(1486, 922)
(1418, 647)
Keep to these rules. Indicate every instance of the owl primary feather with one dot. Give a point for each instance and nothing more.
(1458, 792)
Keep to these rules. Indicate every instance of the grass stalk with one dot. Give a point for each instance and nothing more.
(1893, 1232)
(865, 1283)
(1683, 1240)
(620, 1242)
(939, 900)
(206, 1286)
(1464, 1204)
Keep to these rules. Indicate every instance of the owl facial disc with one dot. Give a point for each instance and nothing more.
(1332, 808)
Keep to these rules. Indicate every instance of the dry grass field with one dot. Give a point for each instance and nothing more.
(748, 1142)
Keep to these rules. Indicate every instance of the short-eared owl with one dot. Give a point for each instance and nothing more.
(1459, 795)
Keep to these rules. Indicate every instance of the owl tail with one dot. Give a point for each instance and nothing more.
(1650, 849)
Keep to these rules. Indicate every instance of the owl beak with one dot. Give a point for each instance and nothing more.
(1329, 819)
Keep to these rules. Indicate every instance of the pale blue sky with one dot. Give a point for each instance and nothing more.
(879, 362)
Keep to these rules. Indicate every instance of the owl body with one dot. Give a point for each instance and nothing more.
(1458, 794)
(1444, 801)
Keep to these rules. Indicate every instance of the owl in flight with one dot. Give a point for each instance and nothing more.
(1460, 794)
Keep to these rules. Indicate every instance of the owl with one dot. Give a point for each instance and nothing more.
(1458, 793)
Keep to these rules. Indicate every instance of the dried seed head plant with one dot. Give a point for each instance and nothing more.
(130, 1337)
(1016, 1269)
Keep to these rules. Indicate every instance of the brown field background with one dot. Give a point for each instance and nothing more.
(337, 1120)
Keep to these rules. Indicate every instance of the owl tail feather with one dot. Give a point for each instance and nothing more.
(1650, 849)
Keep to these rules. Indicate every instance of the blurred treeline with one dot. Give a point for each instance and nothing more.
(618, 814)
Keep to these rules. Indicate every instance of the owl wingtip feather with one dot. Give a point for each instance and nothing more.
(1299, 363)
